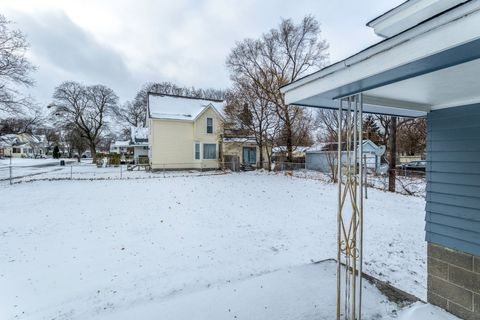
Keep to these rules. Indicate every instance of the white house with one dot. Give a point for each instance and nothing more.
(120, 147)
(23, 145)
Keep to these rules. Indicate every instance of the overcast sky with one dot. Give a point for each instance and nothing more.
(125, 43)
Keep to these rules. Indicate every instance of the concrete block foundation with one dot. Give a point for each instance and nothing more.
(454, 281)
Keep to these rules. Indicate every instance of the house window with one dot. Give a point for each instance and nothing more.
(209, 151)
(197, 151)
(16, 150)
(209, 125)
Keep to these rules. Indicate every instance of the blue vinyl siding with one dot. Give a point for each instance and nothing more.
(453, 178)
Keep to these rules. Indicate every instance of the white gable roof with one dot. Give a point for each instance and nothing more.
(179, 108)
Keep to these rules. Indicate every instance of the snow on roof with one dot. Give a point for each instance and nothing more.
(179, 108)
(139, 134)
(296, 149)
(22, 139)
(240, 140)
(333, 146)
(7, 140)
(121, 143)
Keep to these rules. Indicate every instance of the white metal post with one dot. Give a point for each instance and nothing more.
(360, 209)
(350, 216)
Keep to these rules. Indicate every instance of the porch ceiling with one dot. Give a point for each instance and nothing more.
(454, 86)
(449, 87)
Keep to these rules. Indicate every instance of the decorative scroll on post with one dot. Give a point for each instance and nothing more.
(350, 166)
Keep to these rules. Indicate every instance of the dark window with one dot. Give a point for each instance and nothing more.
(209, 125)
(197, 151)
(209, 151)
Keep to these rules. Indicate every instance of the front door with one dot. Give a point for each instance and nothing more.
(250, 155)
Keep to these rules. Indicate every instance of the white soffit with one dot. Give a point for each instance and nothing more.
(448, 87)
(408, 15)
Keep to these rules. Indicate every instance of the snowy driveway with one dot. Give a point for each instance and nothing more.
(77, 249)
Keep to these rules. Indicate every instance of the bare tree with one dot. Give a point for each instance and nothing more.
(131, 115)
(87, 108)
(249, 109)
(392, 156)
(412, 136)
(74, 141)
(22, 124)
(389, 126)
(14, 69)
(328, 123)
(279, 57)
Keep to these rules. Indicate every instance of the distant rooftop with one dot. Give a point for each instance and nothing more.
(162, 106)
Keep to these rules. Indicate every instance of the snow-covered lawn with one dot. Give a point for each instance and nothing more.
(84, 249)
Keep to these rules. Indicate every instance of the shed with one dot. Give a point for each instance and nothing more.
(321, 156)
(426, 66)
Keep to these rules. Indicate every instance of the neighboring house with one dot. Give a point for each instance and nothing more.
(6, 143)
(139, 143)
(23, 145)
(120, 147)
(427, 65)
(323, 156)
(184, 132)
(243, 151)
(279, 153)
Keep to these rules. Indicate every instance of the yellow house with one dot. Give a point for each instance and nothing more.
(241, 151)
(184, 132)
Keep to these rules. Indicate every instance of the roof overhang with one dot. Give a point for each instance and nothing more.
(409, 14)
(433, 65)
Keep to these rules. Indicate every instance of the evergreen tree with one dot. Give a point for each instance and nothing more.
(371, 129)
(56, 153)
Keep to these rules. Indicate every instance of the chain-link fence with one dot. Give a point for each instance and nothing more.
(410, 182)
(407, 181)
(25, 170)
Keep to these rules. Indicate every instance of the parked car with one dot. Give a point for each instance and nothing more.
(415, 165)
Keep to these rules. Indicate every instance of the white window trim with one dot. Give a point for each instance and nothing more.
(213, 126)
(200, 150)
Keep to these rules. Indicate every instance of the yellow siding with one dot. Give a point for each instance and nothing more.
(172, 142)
(201, 126)
(236, 149)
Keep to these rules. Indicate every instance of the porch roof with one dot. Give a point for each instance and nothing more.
(432, 65)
